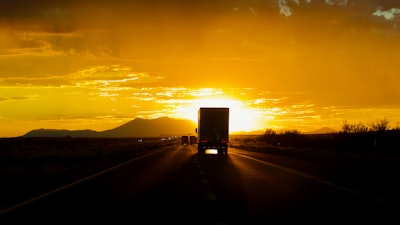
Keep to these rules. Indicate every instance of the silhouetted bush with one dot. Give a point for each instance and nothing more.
(288, 138)
(355, 137)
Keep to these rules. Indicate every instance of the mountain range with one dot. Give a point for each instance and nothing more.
(322, 130)
(138, 127)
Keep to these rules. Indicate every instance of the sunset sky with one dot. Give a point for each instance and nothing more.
(278, 64)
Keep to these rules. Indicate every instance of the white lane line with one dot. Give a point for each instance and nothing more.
(320, 181)
(3, 211)
(212, 197)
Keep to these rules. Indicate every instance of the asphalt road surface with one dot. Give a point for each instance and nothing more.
(176, 185)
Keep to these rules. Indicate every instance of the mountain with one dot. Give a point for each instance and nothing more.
(138, 127)
(163, 126)
(322, 130)
(61, 133)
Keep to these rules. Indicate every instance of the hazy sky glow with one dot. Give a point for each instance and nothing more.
(280, 64)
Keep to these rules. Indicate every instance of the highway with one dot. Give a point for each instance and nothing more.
(176, 185)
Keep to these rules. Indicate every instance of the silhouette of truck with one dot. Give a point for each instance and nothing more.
(213, 129)
(192, 140)
(185, 140)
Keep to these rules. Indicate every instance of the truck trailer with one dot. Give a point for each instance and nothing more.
(192, 140)
(213, 129)
(185, 140)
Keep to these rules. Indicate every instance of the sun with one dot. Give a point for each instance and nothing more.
(241, 118)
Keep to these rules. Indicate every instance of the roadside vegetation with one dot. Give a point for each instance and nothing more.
(355, 139)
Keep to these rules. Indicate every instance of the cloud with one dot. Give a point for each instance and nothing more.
(388, 14)
(86, 44)
(13, 98)
(336, 2)
(252, 10)
(24, 42)
(284, 8)
(34, 81)
(112, 76)
(107, 77)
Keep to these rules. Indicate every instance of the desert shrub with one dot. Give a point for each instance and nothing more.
(286, 138)
(381, 125)
(377, 137)
(357, 127)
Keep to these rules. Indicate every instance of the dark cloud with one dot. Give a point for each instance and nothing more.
(13, 99)
(160, 21)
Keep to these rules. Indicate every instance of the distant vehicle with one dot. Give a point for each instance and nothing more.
(192, 140)
(213, 129)
(185, 140)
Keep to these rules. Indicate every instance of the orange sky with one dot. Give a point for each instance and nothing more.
(277, 64)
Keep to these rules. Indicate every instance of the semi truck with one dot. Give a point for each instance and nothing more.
(192, 139)
(213, 129)
(185, 140)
